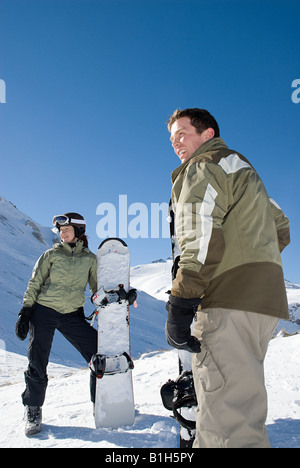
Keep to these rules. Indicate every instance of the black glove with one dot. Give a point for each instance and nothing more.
(22, 325)
(131, 296)
(181, 313)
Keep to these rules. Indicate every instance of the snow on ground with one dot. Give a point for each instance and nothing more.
(282, 368)
(67, 413)
(68, 419)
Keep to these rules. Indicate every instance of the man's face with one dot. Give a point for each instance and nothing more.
(185, 139)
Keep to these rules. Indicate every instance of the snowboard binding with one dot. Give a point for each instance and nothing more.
(102, 298)
(101, 365)
(180, 394)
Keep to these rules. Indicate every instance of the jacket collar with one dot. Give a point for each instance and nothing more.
(214, 144)
(77, 249)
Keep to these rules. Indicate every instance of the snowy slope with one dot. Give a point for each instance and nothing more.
(22, 242)
(68, 420)
(293, 295)
(155, 279)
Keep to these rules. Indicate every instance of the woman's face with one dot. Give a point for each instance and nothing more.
(67, 234)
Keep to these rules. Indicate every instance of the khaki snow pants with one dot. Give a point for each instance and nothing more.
(229, 378)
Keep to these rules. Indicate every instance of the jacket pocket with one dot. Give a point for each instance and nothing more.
(207, 371)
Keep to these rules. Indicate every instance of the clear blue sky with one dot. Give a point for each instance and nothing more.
(91, 83)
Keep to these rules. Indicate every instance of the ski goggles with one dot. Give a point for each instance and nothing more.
(64, 220)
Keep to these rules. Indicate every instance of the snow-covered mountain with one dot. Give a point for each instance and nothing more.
(68, 420)
(22, 242)
(155, 280)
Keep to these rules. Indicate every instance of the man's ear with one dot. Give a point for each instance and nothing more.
(208, 134)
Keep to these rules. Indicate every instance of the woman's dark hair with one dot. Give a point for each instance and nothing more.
(84, 239)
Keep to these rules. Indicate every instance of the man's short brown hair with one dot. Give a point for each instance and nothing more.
(201, 119)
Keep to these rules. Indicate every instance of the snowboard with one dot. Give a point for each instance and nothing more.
(179, 397)
(186, 434)
(114, 406)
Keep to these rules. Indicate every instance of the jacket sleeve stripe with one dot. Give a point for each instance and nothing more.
(207, 207)
(233, 163)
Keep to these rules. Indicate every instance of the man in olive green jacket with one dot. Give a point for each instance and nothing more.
(229, 235)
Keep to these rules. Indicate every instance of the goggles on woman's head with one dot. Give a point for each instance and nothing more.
(64, 220)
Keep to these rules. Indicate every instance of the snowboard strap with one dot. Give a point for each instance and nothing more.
(101, 364)
(102, 298)
(180, 394)
(92, 317)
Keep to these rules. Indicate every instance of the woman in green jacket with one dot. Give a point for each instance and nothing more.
(54, 300)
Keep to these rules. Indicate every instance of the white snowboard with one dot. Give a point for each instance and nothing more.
(114, 392)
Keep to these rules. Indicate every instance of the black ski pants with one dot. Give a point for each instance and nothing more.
(43, 324)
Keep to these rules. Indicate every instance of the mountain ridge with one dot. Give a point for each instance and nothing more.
(24, 240)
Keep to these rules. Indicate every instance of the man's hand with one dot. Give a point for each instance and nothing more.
(181, 313)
